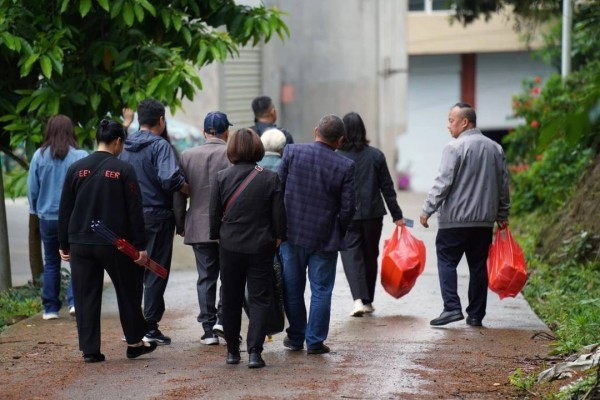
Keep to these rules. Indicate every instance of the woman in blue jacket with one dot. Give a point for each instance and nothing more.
(44, 184)
(373, 181)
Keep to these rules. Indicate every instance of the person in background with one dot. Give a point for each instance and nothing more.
(274, 141)
(373, 181)
(46, 177)
(470, 193)
(179, 198)
(159, 177)
(320, 200)
(247, 216)
(265, 116)
(200, 166)
(104, 188)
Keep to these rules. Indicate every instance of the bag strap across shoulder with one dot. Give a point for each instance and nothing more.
(242, 186)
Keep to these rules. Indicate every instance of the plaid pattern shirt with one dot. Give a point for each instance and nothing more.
(319, 195)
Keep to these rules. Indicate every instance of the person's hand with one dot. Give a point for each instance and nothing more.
(127, 117)
(400, 222)
(182, 233)
(277, 242)
(64, 255)
(502, 224)
(423, 219)
(142, 258)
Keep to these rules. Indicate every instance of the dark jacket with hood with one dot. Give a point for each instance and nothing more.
(261, 127)
(157, 170)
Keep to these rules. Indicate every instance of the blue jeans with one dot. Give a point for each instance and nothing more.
(51, 275)
(321, 275)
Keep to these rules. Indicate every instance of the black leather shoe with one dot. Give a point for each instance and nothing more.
(473, 322)
(290, 345)
(233, 357)
(255, 361)
(94, 358)
(446, 317)
(319, 350)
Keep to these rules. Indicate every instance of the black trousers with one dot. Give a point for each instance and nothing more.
(450, 245)
(360, 258)
(160, 232)
(87, 273)
(237, 270)
(207, 264)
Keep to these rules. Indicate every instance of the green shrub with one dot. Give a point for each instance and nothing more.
(548, 182)
(19, 303)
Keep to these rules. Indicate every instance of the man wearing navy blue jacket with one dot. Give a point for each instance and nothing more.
(159, 176)
(319, 198)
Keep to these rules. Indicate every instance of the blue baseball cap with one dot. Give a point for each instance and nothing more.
(216, 122)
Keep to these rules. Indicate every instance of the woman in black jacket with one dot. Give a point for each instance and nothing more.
(104, 188)
(247, 216)
(373, 180)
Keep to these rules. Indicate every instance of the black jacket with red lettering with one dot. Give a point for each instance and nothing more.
(104, 188)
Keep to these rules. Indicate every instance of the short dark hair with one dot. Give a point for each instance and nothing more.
(109, 130)
(331, 128)
(468, 112)
(245, 145)
(149, 112)
(261, 106)
(356, 133)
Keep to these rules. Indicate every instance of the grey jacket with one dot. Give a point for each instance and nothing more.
(471, 189)
(200, 166)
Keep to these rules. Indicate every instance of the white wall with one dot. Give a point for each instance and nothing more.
(433, 86)
(498, 78)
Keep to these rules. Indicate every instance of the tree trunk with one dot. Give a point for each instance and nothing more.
(5, 275)
(36, 260)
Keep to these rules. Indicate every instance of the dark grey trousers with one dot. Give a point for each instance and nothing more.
(450, 245)
(360, 257)
(159, 235)
(207, 264)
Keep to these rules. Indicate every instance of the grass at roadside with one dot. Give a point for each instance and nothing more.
(19, 303)
(564, 291)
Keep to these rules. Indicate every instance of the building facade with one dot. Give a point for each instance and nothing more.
(483, 64)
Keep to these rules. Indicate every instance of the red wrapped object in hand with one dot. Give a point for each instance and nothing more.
(127, 248)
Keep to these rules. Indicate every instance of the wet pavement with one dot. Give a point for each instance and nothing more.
(391, 354)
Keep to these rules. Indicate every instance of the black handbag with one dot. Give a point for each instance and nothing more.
(276, 314)
(276, 319)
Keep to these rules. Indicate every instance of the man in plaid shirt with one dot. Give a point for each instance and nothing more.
(319, 197)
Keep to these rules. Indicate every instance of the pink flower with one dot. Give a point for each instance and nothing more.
(534, 124)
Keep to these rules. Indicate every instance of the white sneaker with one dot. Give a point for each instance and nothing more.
(358, 309)
(72, 311)
(369, 308)
(218, 330)
(50, 315)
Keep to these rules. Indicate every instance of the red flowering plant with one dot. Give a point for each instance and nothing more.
(549, 151)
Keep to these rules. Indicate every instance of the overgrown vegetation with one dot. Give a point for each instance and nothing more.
(555, 180)
(21, 302)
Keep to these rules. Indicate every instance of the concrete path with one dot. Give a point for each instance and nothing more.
(392, 354)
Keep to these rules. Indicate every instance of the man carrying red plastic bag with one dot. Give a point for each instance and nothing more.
(469, 194)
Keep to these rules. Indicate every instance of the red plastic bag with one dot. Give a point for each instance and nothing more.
(507, 270)
(402, 263)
